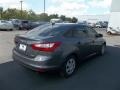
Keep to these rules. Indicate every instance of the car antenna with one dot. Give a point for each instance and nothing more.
(53, 24)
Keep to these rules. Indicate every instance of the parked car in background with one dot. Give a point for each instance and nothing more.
(59, 47)
(111, 30)
(56, 20)
(91, 24)
(98, 25)
(36, 24)
(101, 24)
(24, 25)
(6, 25)
(16, 23)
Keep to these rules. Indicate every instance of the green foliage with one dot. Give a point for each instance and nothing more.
(62, 17)
(74, 20)
(31, 15)
(1, 11)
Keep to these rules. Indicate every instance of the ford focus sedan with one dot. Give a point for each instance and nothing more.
(57, 47)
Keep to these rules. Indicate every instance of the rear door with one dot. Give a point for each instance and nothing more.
(83, 40)
(92, 36)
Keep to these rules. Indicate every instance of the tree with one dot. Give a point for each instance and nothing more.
(53, 16)
(74, 20)
(1, 11)
(62, 17)
(43, 17)
(31, 15)
(14, 13)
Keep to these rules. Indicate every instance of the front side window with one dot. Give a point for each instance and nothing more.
(79, 32)
(91, 32)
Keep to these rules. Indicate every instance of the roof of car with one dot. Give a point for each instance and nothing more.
(69, 24)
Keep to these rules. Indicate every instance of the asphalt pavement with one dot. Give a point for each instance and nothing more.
(96, 73)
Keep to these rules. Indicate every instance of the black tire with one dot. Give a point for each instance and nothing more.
(67, 73)
(20, 28)
(102, 50)
(11, 30)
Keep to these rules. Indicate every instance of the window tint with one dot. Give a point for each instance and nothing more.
(91, 32)
(69, 33)
(79, 32)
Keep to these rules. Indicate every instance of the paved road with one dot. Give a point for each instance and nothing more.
(97, 73)
(7, 44)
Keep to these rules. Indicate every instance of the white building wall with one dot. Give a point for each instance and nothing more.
(94, 18)
(114, 20)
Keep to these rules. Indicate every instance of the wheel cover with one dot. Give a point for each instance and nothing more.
(103, 50)
(70, 66)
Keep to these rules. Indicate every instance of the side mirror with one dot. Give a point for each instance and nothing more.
(99, 35)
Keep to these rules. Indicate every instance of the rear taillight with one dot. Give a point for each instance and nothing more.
(46, 47)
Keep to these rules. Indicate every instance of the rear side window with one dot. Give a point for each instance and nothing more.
(47, 30)
(91, 32)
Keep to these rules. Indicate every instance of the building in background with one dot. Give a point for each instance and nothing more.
(94, 18)
(114, 21)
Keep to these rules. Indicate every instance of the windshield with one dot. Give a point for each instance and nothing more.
(46, 30)
(4, 21)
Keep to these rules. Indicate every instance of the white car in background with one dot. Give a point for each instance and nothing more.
(55, 20)
(6, 25)
(111, 30)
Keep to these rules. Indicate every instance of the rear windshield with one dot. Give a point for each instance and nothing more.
(24, 21)
(47, 30)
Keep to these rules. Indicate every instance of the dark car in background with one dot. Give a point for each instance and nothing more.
(16, 23)
(36, 24)
(57, 47)
(101, 24)
(24, 25)
(21, 24)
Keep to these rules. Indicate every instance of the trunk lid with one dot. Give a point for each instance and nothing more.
(23, 45)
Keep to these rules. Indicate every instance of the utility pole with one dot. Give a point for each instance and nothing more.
(44, 6)
(21, 2)
(1, 11)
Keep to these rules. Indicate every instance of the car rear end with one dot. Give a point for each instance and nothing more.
(39, 51)
(111, 30)
(6, 25)
(25, 25)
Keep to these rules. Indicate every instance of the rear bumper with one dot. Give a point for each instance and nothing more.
(35, 65)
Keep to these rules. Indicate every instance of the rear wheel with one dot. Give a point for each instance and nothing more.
(69, 67)
(102, 50)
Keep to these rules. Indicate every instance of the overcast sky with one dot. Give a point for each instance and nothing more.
(65, 7)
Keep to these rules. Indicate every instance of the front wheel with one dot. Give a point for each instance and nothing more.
(69, 67)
